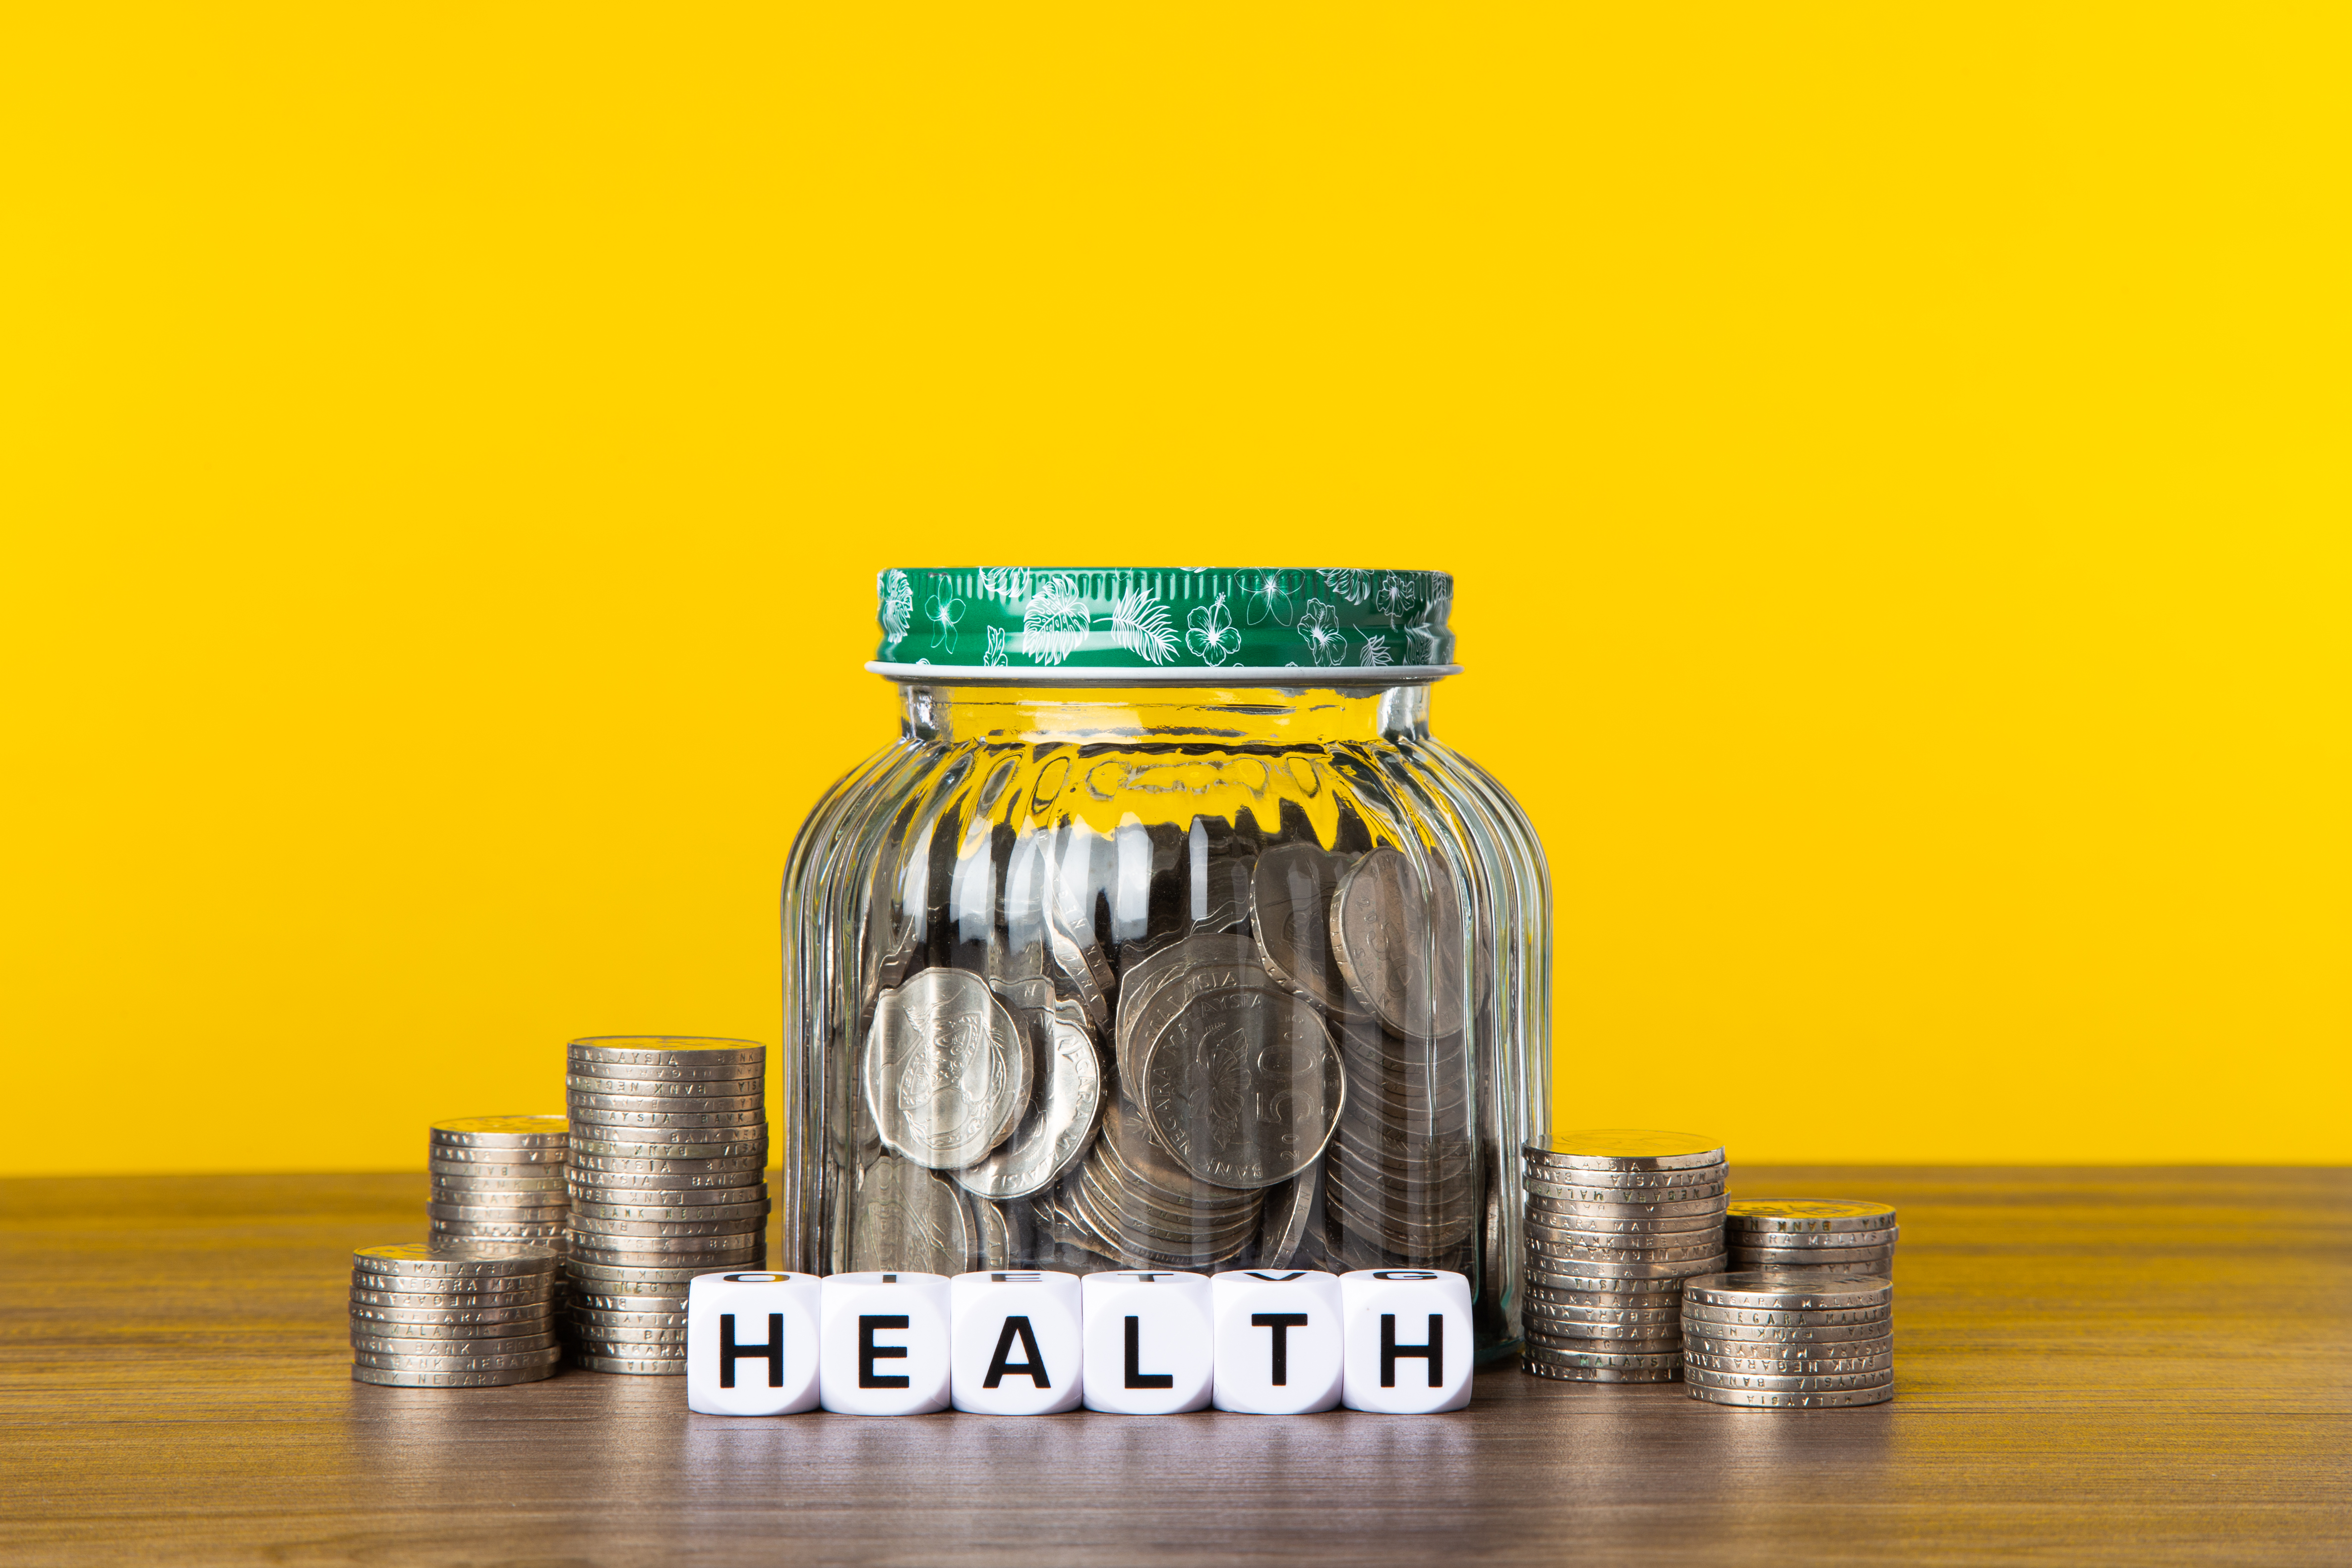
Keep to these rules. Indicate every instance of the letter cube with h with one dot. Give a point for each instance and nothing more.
(882, 1343)
(1016, 1348)
(751, 1344)
(1408, 1341)
(1278, 1341)
(1151, 1350)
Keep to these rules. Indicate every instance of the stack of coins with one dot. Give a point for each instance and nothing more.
(454, 1316)
(1836, 1237)
(497, 1180)
(1617, 1219)
(1773, 1340)
(669, 1178)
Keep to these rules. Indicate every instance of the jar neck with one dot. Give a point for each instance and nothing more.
(1216, 716)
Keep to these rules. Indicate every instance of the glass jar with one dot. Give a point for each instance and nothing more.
(1165, 936)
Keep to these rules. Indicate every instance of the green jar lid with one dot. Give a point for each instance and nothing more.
(1281, 625)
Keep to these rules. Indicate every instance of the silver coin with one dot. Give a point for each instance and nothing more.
(1621, 1336)
(592, 1122)
(540, 1337)
(994, 1246)
(1878, 1359)
(1567, 1212)
(947, 1071)
(718, 1173)
(421, 1362)
(1581, 1275)
(501, 1213)
(1235, 957)
(702, 1255)
(1066, 1108)
(653, 1313)
(1823, 1384)
(640, 1072)
(456, 1302)
(599, 1232)
(675, 1188)
(698, 1199)
(668, 1051)
(1626, 1186)
(1808, 1215)
(1811, 1241)
(1761, 1399)
(500, 1133)
(1644, 1361)
(1883, 1269)
(519, 1189)
(1585, 1225)
(453, 1320)
(1635, 1295)
(452, 1159)
(1624, 1149)
(906, 1218)
(1752, 1258)
(640, 1366)
(1282, 1228)
(680, 1143)
(1079, 970)
(584, 1214)
(1291, 889)
(1389, 950)
(1721, 1336)
(697, 1241)
(1541, 1368)
(692, 1088)
(386, 1378)
(1800, 1318)
(612, 1335)
(1553, 1312)
(1242, 1087)
(1616, 1250)
(715, 1110)
(1768, 1288)
(416, 1260)
(454, 1232)
(631, 1305)
(442, 1169)
(638, 1276)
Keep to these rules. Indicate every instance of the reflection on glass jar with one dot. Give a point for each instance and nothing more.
(1166, 936)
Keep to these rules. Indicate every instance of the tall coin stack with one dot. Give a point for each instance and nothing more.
(497, 1180)
(1617, 1219)
(454, 1316)
(1771, 1339)
(1824, 1236)
(668, 1176)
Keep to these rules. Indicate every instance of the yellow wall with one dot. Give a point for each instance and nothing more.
(446, 450)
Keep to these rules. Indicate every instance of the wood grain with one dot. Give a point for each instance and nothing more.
(2136, 1366)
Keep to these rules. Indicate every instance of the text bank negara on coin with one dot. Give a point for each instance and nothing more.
(1166, 935)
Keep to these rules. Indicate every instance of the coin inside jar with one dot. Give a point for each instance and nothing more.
(1063, 1113)
(948, 1073)
(1392, 952)
(1244, 1087)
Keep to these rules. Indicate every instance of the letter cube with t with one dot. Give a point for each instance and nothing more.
(751, 1344)
(1150, 1347)
(1016, 1348)
(882, 1343)
(1407, 1340)
(1278, 1341)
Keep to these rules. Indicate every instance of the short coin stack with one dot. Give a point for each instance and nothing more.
(1829, 1237)
(497, 1180)
(1772, 1340)
(668, 1176)
(456, 1316)
(1617, 1219)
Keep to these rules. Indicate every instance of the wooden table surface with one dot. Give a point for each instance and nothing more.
(2133, 1366)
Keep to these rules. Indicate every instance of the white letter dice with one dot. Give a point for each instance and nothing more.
(1150, 1347)
(1278, 1341)
(1407, 1340)
(1017, 1349)
(751, 1344)
(882, 1343)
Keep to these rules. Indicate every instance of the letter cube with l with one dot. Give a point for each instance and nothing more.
(882, 1343)
(1278, 1341)
(1017, 1350)
(1407, 1340)
(751, 1344)
(1150, 1348)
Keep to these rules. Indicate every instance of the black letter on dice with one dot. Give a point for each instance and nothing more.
(1281, 1324)
(1433, 1353)
(869, 1352)
(729, 1353)
(1136, 1376)
(1034, 1369)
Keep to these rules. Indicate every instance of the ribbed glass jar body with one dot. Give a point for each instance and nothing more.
(1088, 977)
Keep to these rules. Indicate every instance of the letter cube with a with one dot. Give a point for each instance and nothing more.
(751, 1344)
(1278, 1341)
(882, 1343)
(1150, 1347)
(1407, 1340)
(1017, 1347)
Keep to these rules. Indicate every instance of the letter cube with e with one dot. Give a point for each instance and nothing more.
(1278, 1341)
(1016, 1350)
(751, 1344)
(1150, 1347)
(882, 1343)
(1407, 1340)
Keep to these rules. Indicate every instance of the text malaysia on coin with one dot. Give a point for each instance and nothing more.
(1244, 1087)
(947, 1071)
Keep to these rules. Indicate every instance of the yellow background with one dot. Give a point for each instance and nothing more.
(1892, 458)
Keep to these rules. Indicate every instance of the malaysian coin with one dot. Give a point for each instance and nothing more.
(1753, 1258)
(726, 1246)
(602, 1106)
(494, 1174)
(1389, 949)
(678, 1142)
(1793, 1317)
(383, 1377)
(455, 1320)
(693, 1089)
(1291, 889)
(498, 1213)
(614, 1232)
(416, 1260)
(1161, 985)
(461, 1158)
(640, 1276)
(611, 1334)
(1823, 1384)
(1617, 1316)
(632, 1305)
(1541, 1368)
(638, 1366)
(1623, 1336)
(1779, 1292)
(1879, 1357)
(672, 1171)
(1813, 1241)
(635, 1051)
(1808, 1215)
(1079, 970)
(538, 1337)
(594, 1123)
(1242, 1087)
(993, 1231)
(504, 1133)
(1637, 1294)
(946, 1072)
(906, 1218)
(1642, 1360)
(1642, 1194)
(703, 1212)
(1570, 1211)
(708, 1188)
(1563, 1225)
(1624, 1149)
(1549, 1252)
(1064, 1113)
(455, 1232)
(449, 1190)
(1282, 1228)
(1762, 1399)
(1882, 1268)
(1576, 1273)
(1724, 1337)
(423, 1362)
(450, 1295)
